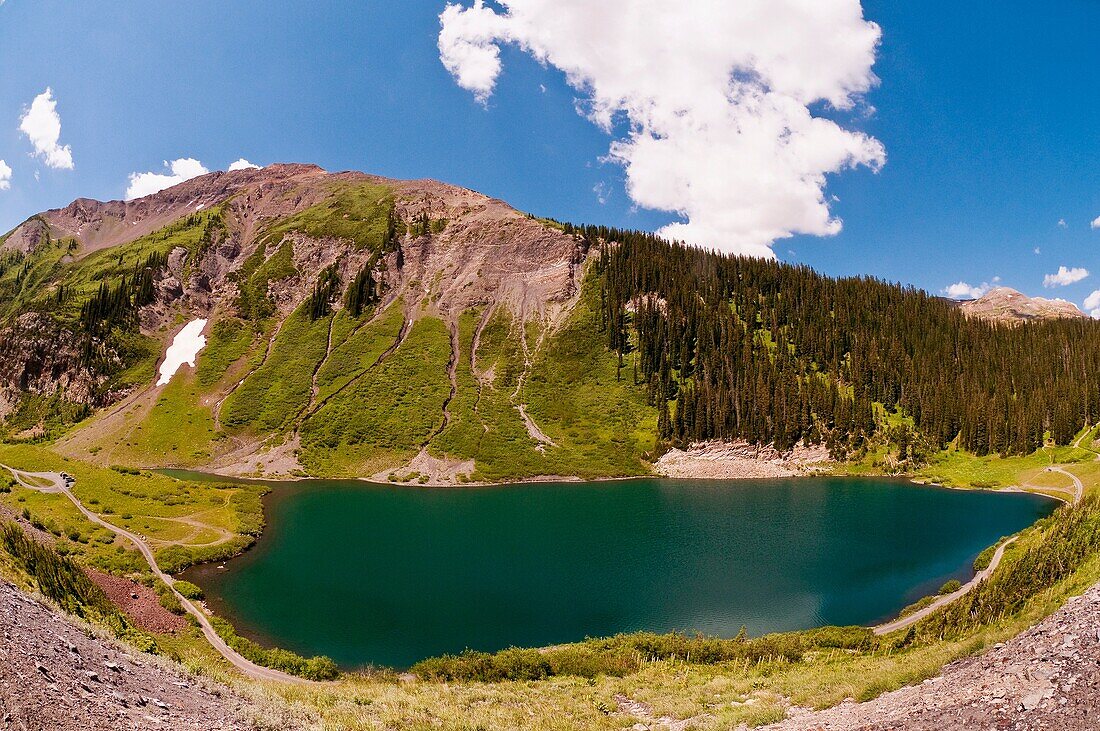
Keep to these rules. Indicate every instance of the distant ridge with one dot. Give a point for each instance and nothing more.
(1004, 304)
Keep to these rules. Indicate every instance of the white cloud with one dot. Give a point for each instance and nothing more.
(242, 164)
(42, 125)
(1095, 223)
(715, 97)
(1037, 251)
(143, 184)
(1065, 276)
(1092, 304)
(5, 170)
(1062, 223)
(962, 290)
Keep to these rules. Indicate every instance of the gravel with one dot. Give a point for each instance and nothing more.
(55, 677)
(1048, 677)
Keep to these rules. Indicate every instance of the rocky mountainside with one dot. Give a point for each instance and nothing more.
(1046, 678)
(1003, 304)
(291, 266)
(54, 676)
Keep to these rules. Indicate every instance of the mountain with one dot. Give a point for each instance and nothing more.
(1003, 304)
(246, 250)
(420, 332)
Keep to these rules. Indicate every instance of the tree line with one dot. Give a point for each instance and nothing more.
(732, 347)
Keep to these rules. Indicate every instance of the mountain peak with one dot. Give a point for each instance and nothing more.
(1004, 304)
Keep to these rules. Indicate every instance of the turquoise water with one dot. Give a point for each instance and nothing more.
(385, 575)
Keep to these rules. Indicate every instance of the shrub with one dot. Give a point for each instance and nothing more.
(125, 470)
(169, 600)
(626, 653)
(511, 664)
(950, 587)
(188, 589)
(982, 561)
(313, 668)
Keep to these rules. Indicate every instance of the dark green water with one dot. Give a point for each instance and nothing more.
(390, 575)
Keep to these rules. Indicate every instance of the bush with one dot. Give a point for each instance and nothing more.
(511, 664)
(626, 653)
(125, 470)
(174, 559)
(982, 561)
(950, 587)
(313, 668)
(189, 590)
(169, 600)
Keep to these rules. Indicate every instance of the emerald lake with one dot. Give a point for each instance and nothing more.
(388, 575)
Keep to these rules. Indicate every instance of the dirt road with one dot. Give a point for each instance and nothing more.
(884, 629)
(55, 483)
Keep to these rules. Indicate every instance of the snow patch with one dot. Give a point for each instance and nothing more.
(185, 346)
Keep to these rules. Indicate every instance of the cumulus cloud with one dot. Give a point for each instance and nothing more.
(5, 171)
(964, 291)
(1095, 223)
(42, 125)
(143, 184)
(715, 99)
(1092, 304)
(1062, 223)
(242, 164)
(1065, 276)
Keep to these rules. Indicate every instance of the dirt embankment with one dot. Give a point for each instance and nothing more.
(55, 677)
(740, 460)
(1045, 678)
(138, 602)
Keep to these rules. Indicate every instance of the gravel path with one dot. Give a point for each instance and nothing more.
(1078, 487)
(910, 619)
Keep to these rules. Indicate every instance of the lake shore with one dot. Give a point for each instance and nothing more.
(713, 460)
(650, 518)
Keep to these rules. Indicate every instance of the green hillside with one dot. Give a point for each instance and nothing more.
(323, 345)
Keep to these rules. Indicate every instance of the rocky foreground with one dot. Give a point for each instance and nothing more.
(1046, 678)
(54, 677)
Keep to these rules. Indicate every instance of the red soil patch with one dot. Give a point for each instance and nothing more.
(145, 611)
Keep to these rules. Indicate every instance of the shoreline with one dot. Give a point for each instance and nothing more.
(275, 494)
(737, 460)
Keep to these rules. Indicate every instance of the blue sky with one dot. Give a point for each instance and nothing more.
(988, 113)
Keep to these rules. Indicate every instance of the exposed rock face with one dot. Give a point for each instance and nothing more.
(37, 356)
(27, 236)
(53, 677)
(487, 253)
(1046, 678)
(740, 460)
(99, 225)
(1003, 304)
